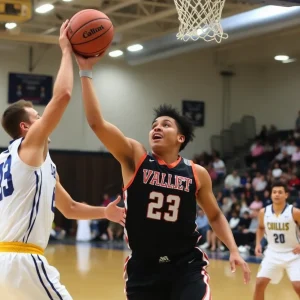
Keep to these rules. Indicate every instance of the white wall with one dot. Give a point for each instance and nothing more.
(129, 94)
(280, 102)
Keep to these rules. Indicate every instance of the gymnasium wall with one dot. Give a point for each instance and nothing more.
(274, 99)
(129, 93)
(280, 98)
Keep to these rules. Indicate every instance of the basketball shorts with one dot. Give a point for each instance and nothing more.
(167, 278)
(30, 277)
(274, 264)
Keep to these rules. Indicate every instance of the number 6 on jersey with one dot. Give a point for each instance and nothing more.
(154, 207)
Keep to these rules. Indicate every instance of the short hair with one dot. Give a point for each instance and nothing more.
(13, 116)
(279, 184)
(185, 126)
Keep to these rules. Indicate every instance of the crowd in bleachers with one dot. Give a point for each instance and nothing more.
(213, 164)
(273, 156)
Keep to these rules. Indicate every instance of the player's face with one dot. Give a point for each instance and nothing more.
(164, 134)
(279, 195)
(33, 116)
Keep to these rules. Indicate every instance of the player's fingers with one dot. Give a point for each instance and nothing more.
(67, 25)
(62, 27)
(232, 266)
(247, 272)
(115, 202)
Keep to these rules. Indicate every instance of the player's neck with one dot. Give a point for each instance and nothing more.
(168, 158)
(278, 208)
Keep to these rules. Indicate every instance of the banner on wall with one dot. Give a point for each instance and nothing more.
(31, 87)
(195, 111)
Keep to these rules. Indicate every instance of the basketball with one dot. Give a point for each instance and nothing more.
(90, 32)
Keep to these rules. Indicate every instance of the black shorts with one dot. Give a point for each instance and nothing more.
(164, 278)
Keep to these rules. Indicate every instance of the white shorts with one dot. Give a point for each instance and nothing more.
(274, 263)
(30, 277)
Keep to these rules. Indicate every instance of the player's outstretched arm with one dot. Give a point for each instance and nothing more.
(38, 133)
(79, 211)
(218, 222)
(260, 232)
(114, 140)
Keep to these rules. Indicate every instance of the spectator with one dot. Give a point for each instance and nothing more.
(234, 220)
(202, 223)
(296, 155)
(256, 204)
(266, 198)
(259, 183)
(276, 172)
(291, 148)
(245, 238)
(298, 121)
(219, 167)
(257, 149)
(212, 172)
(232, 181)
(244, 222)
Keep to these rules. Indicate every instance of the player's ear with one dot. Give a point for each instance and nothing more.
(181, 138)
(24, 126)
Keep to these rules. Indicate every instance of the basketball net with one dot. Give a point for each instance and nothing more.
(200, 19)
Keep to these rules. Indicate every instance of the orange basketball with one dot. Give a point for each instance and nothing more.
(90, 32)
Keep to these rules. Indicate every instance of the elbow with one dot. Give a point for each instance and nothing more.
(68, 212)
(216, 216)
(65, 96)
(95, 124)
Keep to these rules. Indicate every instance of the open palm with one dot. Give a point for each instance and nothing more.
(115, 213)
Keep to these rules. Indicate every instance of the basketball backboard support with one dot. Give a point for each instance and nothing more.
(17, 11)
(287, 3)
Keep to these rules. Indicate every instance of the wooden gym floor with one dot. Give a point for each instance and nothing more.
(94, 273)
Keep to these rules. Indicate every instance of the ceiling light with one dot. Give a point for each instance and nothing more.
(10, 25)
(67, 0)
(134, 48)
(44, 8)
(290, 60)
(115, 53)
(281, 57)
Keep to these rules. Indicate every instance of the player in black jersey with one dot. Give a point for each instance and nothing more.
(160, 190)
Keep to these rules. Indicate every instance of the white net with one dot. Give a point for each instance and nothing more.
(200, 19)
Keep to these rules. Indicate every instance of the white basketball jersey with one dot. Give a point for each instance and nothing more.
(27, 196)
(281, 231)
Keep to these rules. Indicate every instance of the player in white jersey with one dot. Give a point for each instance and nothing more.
(30, 190)
(279, 221)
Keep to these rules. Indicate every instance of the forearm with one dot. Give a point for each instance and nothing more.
(64, 80)
(259, 235)
(221, 228)
(79, 211)
(91, 103)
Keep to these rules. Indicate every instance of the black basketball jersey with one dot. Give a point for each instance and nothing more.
(160, 205)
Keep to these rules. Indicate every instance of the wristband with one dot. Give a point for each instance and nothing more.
(86, 73)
